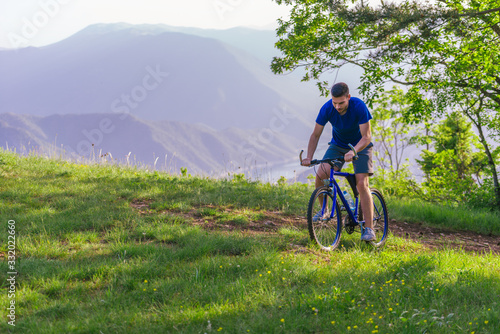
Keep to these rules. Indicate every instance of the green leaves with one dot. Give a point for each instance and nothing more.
(453, 170)
(391, 132)
(435, 47)
(446, 53)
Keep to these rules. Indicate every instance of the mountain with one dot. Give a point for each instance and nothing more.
(257, 42)
(206, 99)
(153, 74)
(200, 149)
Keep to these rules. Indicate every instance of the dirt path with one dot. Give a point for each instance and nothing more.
(430, 237)
(436, 238)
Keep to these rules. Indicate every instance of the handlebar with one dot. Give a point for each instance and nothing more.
(330, 161)
(354, 150)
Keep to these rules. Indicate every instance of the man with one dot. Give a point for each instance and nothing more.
(350, 119)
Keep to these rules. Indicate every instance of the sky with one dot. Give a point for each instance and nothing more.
(42, 22)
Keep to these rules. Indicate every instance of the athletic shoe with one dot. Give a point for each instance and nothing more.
(368, 235)
(318, 216)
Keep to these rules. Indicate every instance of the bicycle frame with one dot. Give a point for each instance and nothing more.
(337, 191)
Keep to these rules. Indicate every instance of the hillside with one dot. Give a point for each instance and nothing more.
(100, 248)
(198, 148)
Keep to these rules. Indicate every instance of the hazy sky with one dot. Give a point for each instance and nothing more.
(42, 22)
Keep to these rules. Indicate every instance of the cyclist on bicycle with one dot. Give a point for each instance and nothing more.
(350, 119)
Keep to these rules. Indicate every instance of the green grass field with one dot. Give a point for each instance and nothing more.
(107, 249)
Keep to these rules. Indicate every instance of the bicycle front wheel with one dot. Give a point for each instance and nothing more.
(324, 219)
(380, 218)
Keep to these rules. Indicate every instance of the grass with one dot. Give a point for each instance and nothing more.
(111, 249)
(456, 218)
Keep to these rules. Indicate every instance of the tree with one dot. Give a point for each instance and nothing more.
(454, 170)
(391, 133)
(454, 134)
(447, 53)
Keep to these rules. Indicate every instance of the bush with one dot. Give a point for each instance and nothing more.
(398, 183)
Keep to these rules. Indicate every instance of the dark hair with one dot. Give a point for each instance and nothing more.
(340, 89)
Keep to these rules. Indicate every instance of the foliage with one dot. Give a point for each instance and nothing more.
(454, 171)
(281, 181)
(454, 141)
(481, 196)
(447, 53)
(439, 46)
(392, 135)
(396, 182)
(184, 172)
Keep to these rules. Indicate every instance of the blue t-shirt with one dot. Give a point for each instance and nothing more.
(345, 128)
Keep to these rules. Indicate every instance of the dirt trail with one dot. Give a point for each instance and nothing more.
(436, 238)
(430, 237)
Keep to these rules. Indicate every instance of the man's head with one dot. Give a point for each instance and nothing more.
(340, 97)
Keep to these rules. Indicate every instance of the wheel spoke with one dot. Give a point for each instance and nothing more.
(323, 217)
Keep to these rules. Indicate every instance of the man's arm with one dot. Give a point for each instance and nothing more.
(366, 138)
(313, 143)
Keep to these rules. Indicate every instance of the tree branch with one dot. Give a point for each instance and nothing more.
(475, 13)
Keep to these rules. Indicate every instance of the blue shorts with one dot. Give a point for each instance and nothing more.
(364, 163)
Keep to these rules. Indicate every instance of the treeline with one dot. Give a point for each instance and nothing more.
(455, 169)
(446, 55)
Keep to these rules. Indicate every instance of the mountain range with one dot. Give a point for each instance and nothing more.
(206, 99)
(167, 145)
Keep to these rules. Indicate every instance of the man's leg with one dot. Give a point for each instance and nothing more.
(323, 173)
(363, 167)
(365, 197)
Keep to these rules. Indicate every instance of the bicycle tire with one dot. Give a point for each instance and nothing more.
(380, 218)
(325, 231)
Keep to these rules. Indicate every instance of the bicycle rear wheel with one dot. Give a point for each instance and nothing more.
(380, 218)
(324, 219)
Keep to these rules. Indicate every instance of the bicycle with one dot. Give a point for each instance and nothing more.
(324, 219)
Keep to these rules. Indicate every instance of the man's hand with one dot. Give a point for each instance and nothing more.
(349, 156)
(306, 162)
